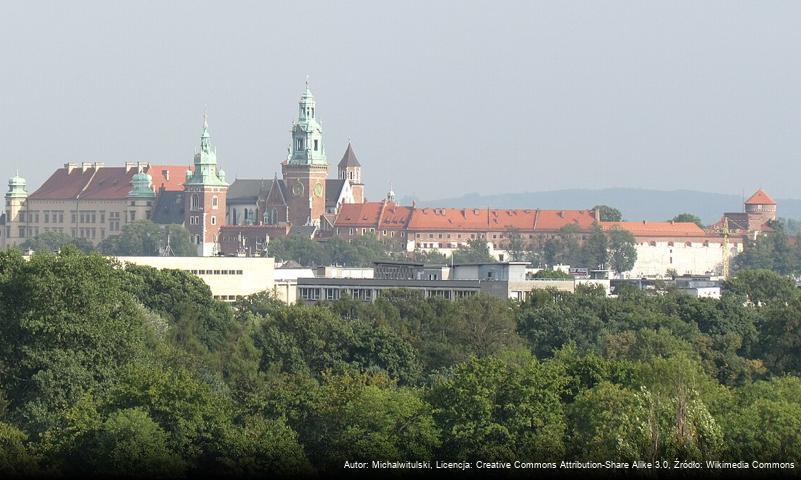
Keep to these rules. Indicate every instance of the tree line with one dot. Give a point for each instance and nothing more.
(139, 372)
(139, 238)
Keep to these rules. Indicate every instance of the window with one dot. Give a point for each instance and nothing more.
(315, 145)
(194, 202)
(133, 215)
(46, 216)
(213, 220)
(307, 293)
(214, 202)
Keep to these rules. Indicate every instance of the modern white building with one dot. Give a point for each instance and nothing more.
(227, 277)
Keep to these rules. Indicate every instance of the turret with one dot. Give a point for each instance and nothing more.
(15, 202)
(141, 196)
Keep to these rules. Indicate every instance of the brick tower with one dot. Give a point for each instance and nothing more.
(305, 169)
(205, 192)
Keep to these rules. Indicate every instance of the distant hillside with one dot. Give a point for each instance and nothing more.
(636, 204)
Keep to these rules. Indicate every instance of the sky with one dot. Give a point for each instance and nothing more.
(438, 98)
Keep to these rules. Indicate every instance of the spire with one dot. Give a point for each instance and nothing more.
(206, 170)
(205, 138)
(391, 194)
(307, 134)
(349, 158)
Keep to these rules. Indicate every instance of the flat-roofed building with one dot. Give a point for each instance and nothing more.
(313, 290)
(228, 278)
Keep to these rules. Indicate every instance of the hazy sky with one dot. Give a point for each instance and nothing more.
(439, 98)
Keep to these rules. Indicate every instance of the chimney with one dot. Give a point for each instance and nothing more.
(70, 167)
(129, 166)
(597, 213)
(86, 166)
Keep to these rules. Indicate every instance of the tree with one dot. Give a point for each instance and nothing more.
(489, 408)
(53, 242)
(145, 238)
(770, 251)
(622, 254)
(689, 218)
(762, 287)
(765, 421)
(552, 274)
(517, 247)
(608, 214)
(129, 442)
(68, 326)
(596, 248)
(476, 251)
(366, 417)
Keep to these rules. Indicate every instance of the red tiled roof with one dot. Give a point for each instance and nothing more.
(367, 215)
(105, 183)
(760, 198)
(657, 229)
(171, 177)
(483, 219)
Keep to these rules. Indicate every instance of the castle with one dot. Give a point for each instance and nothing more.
(92, 201)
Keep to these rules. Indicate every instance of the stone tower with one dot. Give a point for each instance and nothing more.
(205, 193)
(761, 209)
(15, 203)
(350, 169)
(305, 169)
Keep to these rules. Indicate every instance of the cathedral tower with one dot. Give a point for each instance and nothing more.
(305, 169)
(350, 169)
(205, 193)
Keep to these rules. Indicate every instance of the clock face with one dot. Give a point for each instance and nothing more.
(297, 189)
(318, 189)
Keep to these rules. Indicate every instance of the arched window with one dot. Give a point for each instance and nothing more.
(274, 217)
(194, 202)
(213, 220)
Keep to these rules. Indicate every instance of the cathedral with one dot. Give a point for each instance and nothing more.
(303, 202)
(92, 201)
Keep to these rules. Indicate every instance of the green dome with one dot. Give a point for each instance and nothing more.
(141, 186)
(16, 187)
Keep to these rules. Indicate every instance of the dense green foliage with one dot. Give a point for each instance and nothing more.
(772, 251)
(145, 238)
(139, 372)
(140, 238)
(359, 252)
(53, 242)
(688, 217)
(608, 214)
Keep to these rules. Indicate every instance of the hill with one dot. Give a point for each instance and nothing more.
(635, 204)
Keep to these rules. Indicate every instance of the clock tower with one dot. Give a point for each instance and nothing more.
(306, 169)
